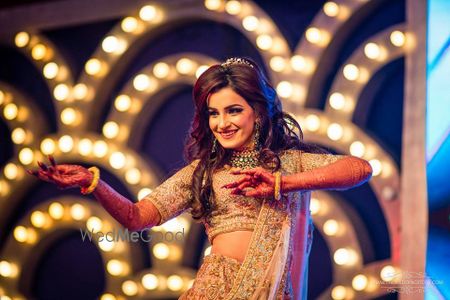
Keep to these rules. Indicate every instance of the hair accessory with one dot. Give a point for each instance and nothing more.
(96, 172)
(277, 188)
(236, 61)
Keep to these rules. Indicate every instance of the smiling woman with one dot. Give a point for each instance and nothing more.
(248, 181)
(231, 119)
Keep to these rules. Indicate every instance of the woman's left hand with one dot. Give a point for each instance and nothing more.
(261, 182)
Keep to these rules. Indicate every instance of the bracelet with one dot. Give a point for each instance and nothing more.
(277, 189)
(87, 190)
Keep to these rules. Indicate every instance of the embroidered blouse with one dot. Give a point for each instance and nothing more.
(232, 212)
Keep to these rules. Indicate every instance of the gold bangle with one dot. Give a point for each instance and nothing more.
(277, 189)
(96, 172)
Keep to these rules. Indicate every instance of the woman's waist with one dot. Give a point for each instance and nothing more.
(232, 244)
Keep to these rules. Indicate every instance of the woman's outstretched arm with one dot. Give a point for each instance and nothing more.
(166, 201)
(317, 172)
(134, 216)
(344, 173)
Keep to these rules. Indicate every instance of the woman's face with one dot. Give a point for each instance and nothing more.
(231, 119)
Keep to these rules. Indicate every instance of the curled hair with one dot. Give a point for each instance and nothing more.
(278, 130)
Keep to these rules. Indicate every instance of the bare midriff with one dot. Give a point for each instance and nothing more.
(232, 244)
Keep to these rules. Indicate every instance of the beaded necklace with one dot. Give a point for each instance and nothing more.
(246, 159)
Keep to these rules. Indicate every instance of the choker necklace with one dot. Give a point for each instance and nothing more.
(246, 159)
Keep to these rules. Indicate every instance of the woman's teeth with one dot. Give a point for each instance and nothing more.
(228, 134)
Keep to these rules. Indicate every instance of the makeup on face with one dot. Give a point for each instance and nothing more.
(231, 119)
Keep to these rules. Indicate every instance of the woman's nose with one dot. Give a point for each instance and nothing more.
(223, 122)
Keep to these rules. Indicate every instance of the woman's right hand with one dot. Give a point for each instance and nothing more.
(64, 176)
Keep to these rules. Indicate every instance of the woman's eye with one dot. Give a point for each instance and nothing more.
(212, 113)
(235, 110)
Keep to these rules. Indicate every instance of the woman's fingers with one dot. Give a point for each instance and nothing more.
(42, 166)
(237, 182)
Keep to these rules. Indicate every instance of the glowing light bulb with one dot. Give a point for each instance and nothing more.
(80, 91)
(85, 147)
(331, 227)
(174, 283)
(129, 24)
(51, 70)
(389, 273)
(312, 122)
(344, 256)
(372, 51)
(143, 193)
(122, 103)
(148, 13)
(110, 129)
(48, 146)
(314, 35)
(133, 176)
(161, 70)
(161, 251)
(264, 42)
(285, 89)
(78, 212)
(61, 92)
(357, 149)
(129, 288)
(38, 52)
(100, 149)
(117, 160)
(200, 70)
(110, 44)
(20, 234)
(339, 292)
(22, 39)
(250, 23)
(331, 9)
(38, 219)
(65, 143)
(115, 267)
(351, 72)
(2, 97)
(93, 66)
(335, 131)
(26, 156)
(185, 66)
(69, 116)
(314, 206)
(233, 7)
(398, 38)
(277, 63)
(360, 282)
(10, 111)
(11, 171)
(18, 135)
(94, 224)
(150, 281)
(56, 210)
(337, 101)
(213, 4)
(376, 167)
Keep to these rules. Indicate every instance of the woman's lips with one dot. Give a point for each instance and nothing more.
(228, 134)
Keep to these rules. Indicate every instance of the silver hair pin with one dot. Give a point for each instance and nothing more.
(236, 61)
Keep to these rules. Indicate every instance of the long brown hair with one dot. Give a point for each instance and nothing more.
(278, 130)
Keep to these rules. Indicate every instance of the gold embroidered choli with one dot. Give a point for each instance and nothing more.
(232, 212)
(280, 228)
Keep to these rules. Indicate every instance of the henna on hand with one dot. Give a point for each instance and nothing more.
(64, 176)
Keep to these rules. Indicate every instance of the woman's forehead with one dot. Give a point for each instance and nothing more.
(224, 98)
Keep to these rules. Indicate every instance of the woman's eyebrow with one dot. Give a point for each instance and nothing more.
(227, 107)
